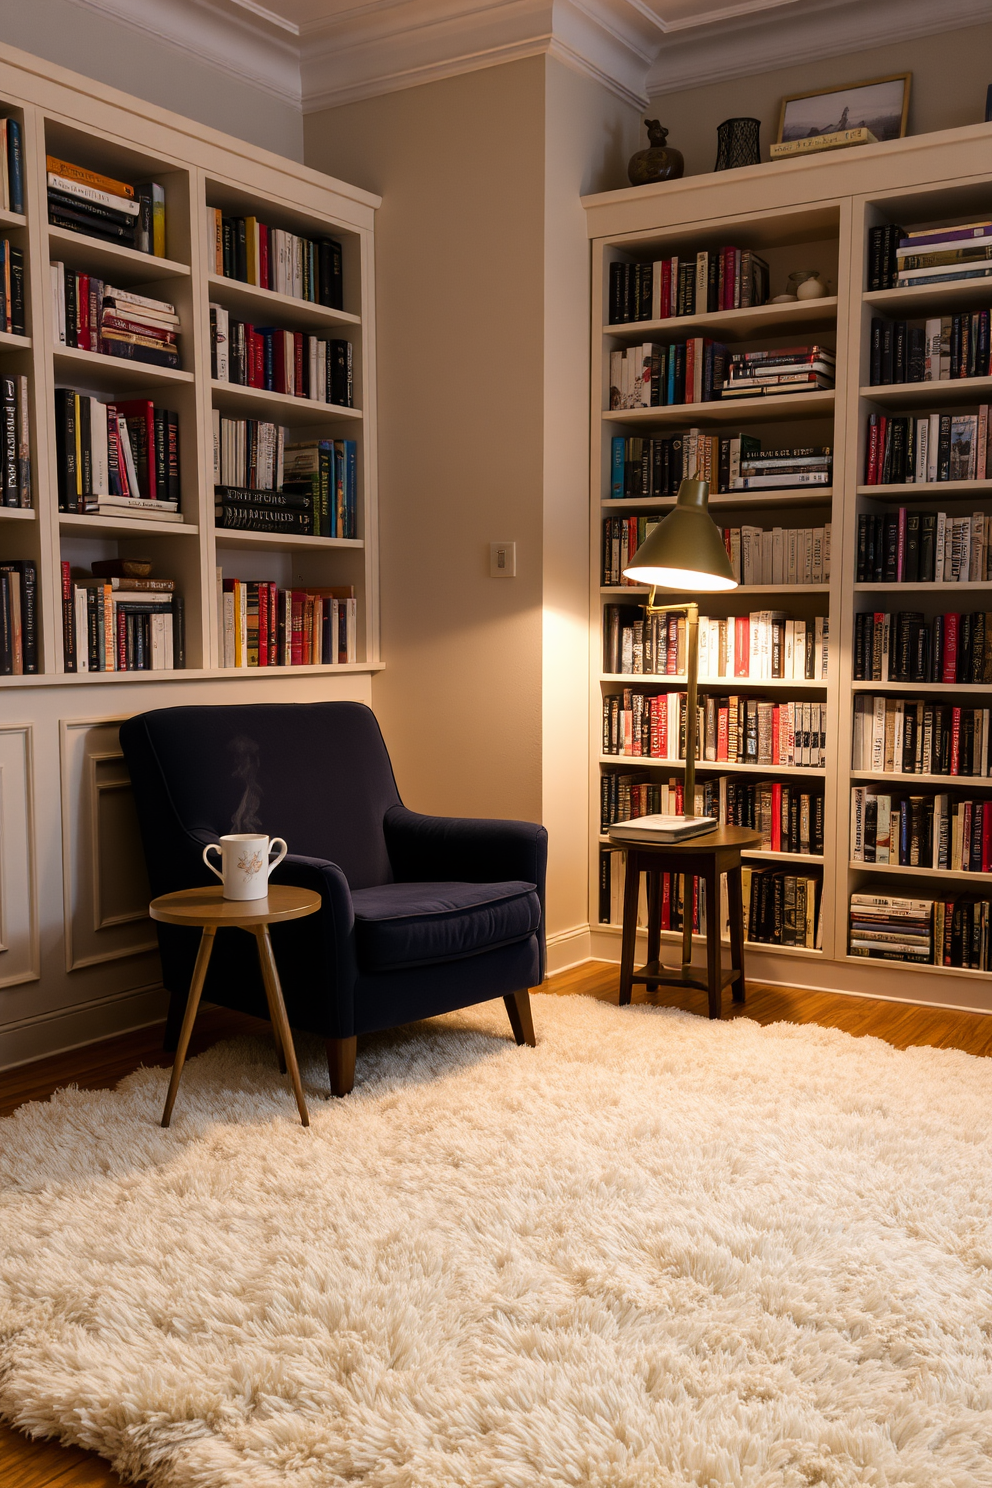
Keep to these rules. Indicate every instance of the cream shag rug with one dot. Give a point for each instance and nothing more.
(653, 1251)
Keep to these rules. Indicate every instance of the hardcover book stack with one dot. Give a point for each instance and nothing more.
(15, 433)
(93, 316)
(909, 647)
(921, 831)
(781, 908)
(790, 369)
(248, 250)
(705, 282)
(280, 361)
(942, 349)
(11, 165)
(932, 447)
(262, 625)
(917, 547)
(887, 928)
(121, 622)
(731, 730)
(84, 201)
(763, 645)
(652, 376)
(117, 459)
(944, 255)
(781, 469)
(18, 618)
(910, 736)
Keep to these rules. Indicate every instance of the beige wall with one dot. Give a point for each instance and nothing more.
(950, 75)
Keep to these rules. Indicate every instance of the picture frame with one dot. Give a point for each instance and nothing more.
(879, 104)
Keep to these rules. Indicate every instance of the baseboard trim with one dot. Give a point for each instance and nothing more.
(568, 948)
(64, 1029)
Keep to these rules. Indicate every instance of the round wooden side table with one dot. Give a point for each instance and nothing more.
(209, 909)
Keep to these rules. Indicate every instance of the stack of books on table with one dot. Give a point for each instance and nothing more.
(84, 201)
(886, 928)
(93, 316)
(789, 369)
(119, 622)
(116, 459)
(944, 255)
(810, 465)
(262, 625)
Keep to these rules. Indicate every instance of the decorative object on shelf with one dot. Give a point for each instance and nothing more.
(816, 144)
(659, 162)
(806, 284)
(784, 299)
(737, 143)
(814, 120)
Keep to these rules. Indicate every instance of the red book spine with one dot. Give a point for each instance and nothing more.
(666, 901)
(776, 802)
(69, 637)
(666, 289)
(871, 473)
(986, 811)
(273, 625)
(679, 799)
(722, 733)
(263, 625)
(655, 745)
(776, 741)
(264, 274)
(298, 364)
(121, 641)
(955, 740)
(950, 660)
(901, 545)
(663, 726)
(742, 645)
(84, 337)
(296, 645)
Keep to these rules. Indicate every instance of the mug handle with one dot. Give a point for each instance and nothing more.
(213, 847)
(279, 859)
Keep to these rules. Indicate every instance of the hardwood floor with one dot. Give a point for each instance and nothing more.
(25, 1463)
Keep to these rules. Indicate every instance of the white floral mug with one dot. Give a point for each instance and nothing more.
(245, 863)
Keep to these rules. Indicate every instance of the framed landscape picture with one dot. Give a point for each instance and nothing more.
(880, 105)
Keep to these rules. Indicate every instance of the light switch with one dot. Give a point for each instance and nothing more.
(502, 560)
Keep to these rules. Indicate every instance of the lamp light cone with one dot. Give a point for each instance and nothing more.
(685, 551)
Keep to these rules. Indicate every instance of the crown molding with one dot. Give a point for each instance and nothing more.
(244, 40)
(745, 45)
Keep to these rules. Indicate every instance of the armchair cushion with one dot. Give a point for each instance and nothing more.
(400, 925)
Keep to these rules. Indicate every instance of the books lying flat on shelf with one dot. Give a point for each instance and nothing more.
(786, 370)
(911, 736)
(763, 645)
(702, 283)
(118, 458)
(121, 624)
(662, 828)
(941, 349)
(915, 547)
(933, 447)
(909, 647)
(251, 251)
(840, 139)
(944, 255)
(83, 201)
(280, 361)
(921, 831)
(262, 625)
(93, 316)
(886, 928)
(11, 165)
(731, 730)
(18, 618)
(771, 469)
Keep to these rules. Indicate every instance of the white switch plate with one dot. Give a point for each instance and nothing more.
(502, 560)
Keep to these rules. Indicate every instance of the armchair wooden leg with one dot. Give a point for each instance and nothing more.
(341, 1064)
(518, 1011)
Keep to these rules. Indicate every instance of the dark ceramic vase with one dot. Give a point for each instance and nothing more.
(658, 162)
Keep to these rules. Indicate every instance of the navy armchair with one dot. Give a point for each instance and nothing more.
(420, 914)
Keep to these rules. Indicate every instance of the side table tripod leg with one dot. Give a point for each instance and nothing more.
(189, 1017)
(277, 1013)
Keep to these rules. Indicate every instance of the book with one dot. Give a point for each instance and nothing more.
(662, 828)
(838, 140)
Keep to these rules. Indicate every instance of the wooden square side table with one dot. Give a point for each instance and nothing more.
(209, 909)
(705, 857)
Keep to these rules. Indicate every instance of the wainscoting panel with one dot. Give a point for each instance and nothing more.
(19, 949)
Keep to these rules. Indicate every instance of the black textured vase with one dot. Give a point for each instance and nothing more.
(737, 143)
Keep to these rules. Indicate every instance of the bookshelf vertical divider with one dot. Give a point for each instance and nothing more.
(812, 213)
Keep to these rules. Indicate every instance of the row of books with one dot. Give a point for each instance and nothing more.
(262, 625)
(731, 730)
(921, 831)
(248, 453)
(318, 496)
(944, 255)
(15, 441)
(782, 908)
(730, 462)
(116, 459)
(280, 361)
(723, 279)
(916, 547)
(789, 369)
(907, 646)
(84, 201)
(270, 257)
(931, 447)
(18, 618)
(652, 376)
(910, 736)
(94, 316)
(11, 165)
(776, 555)
(121, 623)
(759, 646)
(942, 348)
(11, 288)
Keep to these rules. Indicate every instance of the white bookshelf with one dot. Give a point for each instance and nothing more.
(814, 214)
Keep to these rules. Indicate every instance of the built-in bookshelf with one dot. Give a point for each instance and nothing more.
(893, 511)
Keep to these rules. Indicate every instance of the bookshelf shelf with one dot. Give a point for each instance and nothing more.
(10, 342)
(937, 588)
(720, 767)
(281, 542)
(17, 514)
(964, 390)
(792, 496)
(715, 684)
(900, 870)
(671, 936)
(931, 299)
(74, 367)
(951, 782)
(112, 259)
(189, 674)
(284, 408)
(765, 855)
(983, 977)
(720, 412)
(944, 688)
(124, 526)
(248, 300)
(927, 490)
(13, 219)
(732, 325)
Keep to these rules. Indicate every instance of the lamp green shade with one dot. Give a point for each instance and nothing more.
(685, 551)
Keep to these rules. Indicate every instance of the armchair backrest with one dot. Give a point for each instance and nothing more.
(315, 773)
